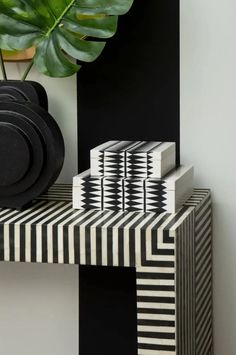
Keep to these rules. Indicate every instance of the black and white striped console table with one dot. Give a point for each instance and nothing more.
(172, 254)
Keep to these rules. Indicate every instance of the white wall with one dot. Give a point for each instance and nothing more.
(208, 126)
(38, 309)
(39, 303)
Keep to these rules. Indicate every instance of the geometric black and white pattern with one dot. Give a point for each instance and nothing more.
(150, 160)
(202, 273)
(115, 159)
(157, 196)
(133, 194)
(172, 254)
(58, 192)
(113, 194)
(109, 159)
(88, 191)
(133, 159)
(97, 158)
(169, 193)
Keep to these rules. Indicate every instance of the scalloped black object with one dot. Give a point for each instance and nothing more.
(31, 144)
(24, 91)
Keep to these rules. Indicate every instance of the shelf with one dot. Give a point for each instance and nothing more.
(51, 231)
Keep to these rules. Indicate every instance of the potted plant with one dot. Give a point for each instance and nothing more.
(64, 33)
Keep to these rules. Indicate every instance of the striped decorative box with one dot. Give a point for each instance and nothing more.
(133, 194)
(172, 255)
(133, 159)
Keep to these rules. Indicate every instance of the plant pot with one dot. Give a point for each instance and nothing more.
(31, 144)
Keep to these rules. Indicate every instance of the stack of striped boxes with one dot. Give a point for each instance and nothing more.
(133, 176)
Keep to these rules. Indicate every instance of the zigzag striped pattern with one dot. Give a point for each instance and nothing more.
(140, 159)
(115, 159)
(134, 197)
(113, 194)
(133, 194)
(150, 165)
(90, 193)
(114, 164)
(156, 196)
(99, 163)
(171, 253)
(136, 165)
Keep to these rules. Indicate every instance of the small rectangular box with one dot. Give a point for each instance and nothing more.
(141, 195)
(140, 159)
(87, 191)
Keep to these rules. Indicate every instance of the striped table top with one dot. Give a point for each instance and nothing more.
(51, 231)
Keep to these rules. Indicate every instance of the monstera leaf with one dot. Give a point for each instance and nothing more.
(60, 30)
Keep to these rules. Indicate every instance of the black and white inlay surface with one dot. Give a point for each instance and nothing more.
(171, 252)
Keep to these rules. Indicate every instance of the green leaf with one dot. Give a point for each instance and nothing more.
(100, 26)
(20, 42)
(108, 7)
(61, 30)
(50, 60)
(86, 51)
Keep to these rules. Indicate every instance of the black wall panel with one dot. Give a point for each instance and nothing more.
(107, 311)
(132, 91)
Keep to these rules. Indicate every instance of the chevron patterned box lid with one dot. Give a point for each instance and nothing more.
(134, 159)
(133, 194)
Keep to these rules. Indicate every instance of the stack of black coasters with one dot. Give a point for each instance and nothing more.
(133, 176)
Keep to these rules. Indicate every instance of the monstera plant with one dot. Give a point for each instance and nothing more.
(60, 30)
(64, 34)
